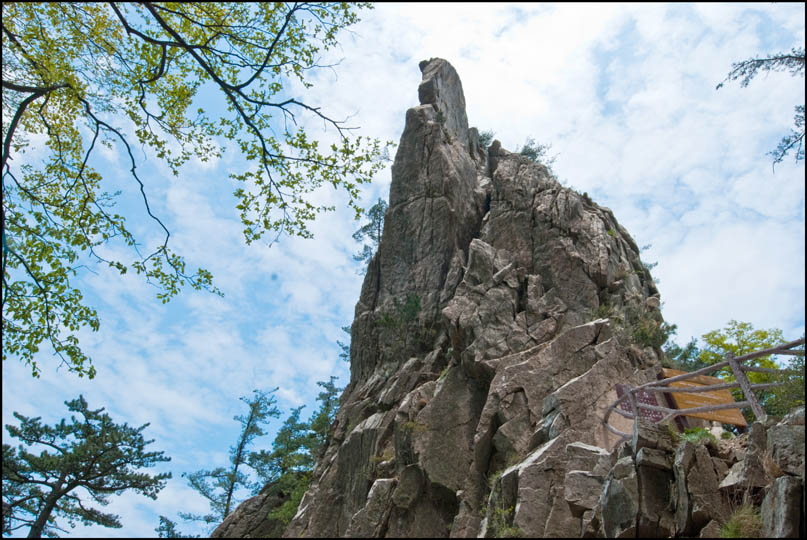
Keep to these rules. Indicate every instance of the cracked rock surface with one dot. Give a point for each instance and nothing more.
(480, 414)
(509, 359)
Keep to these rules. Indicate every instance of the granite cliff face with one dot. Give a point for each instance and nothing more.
(479, 342)
(493, 324)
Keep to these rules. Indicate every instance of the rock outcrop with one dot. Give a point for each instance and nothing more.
(250, 518)
(481, 346)
(662, 487)
(494, 323)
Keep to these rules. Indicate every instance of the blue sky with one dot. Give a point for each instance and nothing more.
(625, 95)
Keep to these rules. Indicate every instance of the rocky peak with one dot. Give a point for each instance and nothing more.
(436, 204)
(441, 88)
(493, 325)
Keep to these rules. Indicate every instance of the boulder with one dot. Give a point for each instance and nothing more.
(656, 459)
(410, 487)
(711, 530)
(647, 434)
(655, 480)
(705, 501)
(785, 446)
(794, 417)
(582, 491)
(749, 473)
(586, 457)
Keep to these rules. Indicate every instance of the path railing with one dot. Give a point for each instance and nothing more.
(737, 368)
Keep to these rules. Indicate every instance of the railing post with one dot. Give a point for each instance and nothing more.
(635, 407)
(759, 412)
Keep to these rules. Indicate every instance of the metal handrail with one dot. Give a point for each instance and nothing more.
(741, 381)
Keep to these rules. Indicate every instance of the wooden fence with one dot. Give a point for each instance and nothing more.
(737, 368)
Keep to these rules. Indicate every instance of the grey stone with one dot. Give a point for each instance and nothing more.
(653, 302)
(370, 521)
(513, 437)
(441, 87)
(794, 417)
(655, 516)
(586, 457)
(749, 473)
(620, 498)
(590, 526)
(706, 502)
(682, 463)
(649, 457)
(652, 435)
(582, 491)
(711, 530)
(250, 518)
(443, 434)
(785, 445)
(781, 508)
(410, 486)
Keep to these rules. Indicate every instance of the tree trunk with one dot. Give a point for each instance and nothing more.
(237, 461)
(42, 518)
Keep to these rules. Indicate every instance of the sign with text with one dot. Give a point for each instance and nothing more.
(686, 400)
(642, 396)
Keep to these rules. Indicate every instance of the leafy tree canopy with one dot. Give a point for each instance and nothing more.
(285, 470)
(539, 153)
(344, 348)
(91, 452)
(686, 358)
(740, 338)
(79, 76)
(783, 399)
(535, 151)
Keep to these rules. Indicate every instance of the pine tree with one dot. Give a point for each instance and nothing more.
(288, 467)
(371, 231)
(219, 485)
(168, 529)
(793, 62)
(90, 452)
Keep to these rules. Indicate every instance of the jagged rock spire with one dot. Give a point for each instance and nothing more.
(478, 345)
(441, 88)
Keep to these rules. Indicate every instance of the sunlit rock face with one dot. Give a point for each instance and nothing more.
(486, 345)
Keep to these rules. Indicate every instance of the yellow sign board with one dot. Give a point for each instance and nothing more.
(686, 400)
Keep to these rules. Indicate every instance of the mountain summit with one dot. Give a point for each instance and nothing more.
(480, 341)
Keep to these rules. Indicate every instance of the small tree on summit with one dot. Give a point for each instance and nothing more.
(371, 231)
(486, 137)
(91, 452)
(537, 152)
